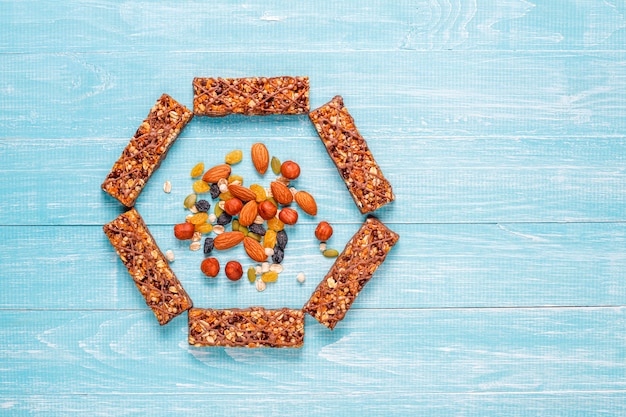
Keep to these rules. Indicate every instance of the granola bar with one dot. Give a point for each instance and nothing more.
(146, 150)
(147, 266)
(352, 269)
(370, 190)
(251, 327)
(250, 96)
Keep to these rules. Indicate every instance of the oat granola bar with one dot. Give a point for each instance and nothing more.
(146, 150)
(147, 266)
(250, 96)
(352, 269)
(370, 190)
(251, 327)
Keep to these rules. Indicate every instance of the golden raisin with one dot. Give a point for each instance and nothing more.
(198, 218)
(261, 195)
(201, 187)
(275, 224)
(204, 228)
(233, 157)
(269, 276)
(269, 240)
(197, 170)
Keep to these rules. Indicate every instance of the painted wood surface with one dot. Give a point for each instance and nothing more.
(500, 124)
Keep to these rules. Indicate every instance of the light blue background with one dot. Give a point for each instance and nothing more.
(500, 124)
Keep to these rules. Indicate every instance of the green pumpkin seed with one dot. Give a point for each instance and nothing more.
(275, 164)
(251, 274)
(331, 253)
(190, 200)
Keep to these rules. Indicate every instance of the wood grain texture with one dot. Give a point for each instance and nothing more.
(500, 124)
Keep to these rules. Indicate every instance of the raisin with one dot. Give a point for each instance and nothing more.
(257, 228)
(208, 245)
(203, 206)
(278, 255)
(224, 219)
(281, 239)
(215, 191)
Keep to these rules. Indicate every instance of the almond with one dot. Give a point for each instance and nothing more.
(260, 157)
(306, 202)
(281, 193)
(216, 173)
(254, 249)
(241, 192)
(227, 240)
(248, 213)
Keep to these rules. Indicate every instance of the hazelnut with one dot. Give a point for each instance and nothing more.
(233, 206)
(267, 210)
(210, 267)
(184, 231)
(290, 170)
(233, 270)
(288, 216)
(323, 231)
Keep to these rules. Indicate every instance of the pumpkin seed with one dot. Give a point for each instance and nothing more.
(190, 200)
(251, 274)
(275, 164)
(330, 253)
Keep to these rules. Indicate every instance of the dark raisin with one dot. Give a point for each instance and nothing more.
(215, 191)
(208, 245)
(281, 239)
(278, 255)
(224, 219)
(203, 206)
(257, 228)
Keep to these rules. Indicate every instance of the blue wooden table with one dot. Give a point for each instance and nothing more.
(500, 123)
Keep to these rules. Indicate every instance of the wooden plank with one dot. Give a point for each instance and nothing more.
(468, 93)
(457, 180)
(550, 351)
(373, 25)
(432, 266)
(596, 403)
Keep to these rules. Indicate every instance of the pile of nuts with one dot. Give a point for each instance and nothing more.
(256, 216)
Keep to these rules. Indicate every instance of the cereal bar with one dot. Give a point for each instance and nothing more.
(370, 190)
(146, 150)
(147, 266)
(251, 327)
(250, 96)
(352, 269)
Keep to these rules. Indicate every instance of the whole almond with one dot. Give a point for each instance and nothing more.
(306, 202)
(254, 249)
(227, 240)
(260, 157)
(248, 213)
(216, 173)
(241, 192)
(281, 193)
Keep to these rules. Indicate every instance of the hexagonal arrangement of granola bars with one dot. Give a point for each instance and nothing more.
(247, 209)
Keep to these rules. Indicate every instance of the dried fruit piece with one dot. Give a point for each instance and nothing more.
(275, 164)
(275, 224)
(323, 231)
(208, 245)
(198, 218)
(216, 173)
(281, 239)
(290, 170)
(204, 228)
(254, 249)
(227, 240)
(184, 231)
(281, 193)
(210, 267)
(225, 196)
(233, 157)
(201, 187)
(306, 202)
(203, 206)
(248, 213)
(260, 157)
(269, 240)
(197, 170)
(259, 192)
(288, 216)
(242, 193)
(269, 276)
(233, 270)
